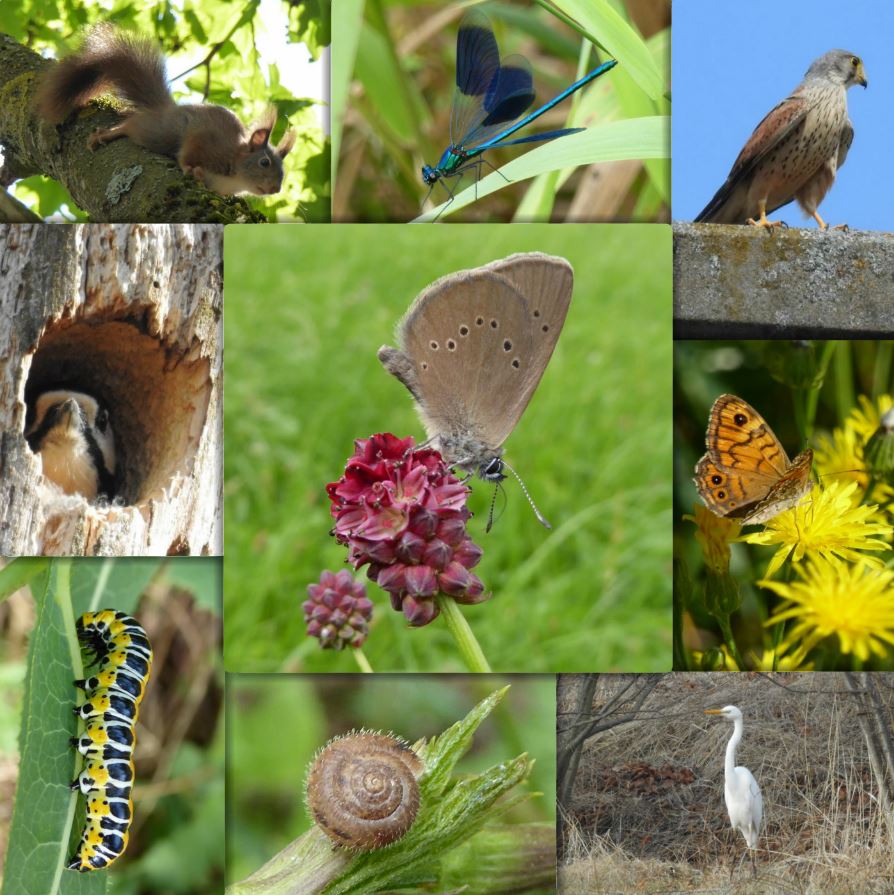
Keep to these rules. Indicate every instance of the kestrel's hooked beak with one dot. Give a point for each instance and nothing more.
(861, 75)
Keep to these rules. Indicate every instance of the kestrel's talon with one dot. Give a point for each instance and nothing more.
(765, 223)
(796, 151)
(844, 228)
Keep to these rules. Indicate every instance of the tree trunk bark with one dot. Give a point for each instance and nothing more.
(131, 315)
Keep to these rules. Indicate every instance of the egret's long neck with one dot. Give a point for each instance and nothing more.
(731, 747)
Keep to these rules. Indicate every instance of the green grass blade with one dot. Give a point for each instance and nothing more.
(639, 138)
(607, 29)
(346, 28)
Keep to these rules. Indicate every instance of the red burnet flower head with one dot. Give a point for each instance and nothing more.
(338, 612)
(404, 513)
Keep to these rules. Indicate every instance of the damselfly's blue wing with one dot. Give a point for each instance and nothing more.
(489, 93)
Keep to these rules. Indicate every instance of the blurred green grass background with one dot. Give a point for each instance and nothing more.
(278, 722)
(307, 308)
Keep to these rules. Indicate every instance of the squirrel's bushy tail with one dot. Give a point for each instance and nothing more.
(109, 61)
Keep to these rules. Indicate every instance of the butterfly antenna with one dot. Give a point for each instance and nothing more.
(490, 513)
(540, 517)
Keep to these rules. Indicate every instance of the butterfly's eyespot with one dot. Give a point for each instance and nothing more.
(117, 645)
(479, 321)
(494, 324)
(536, 312)
(545, 328)
(424, 365)
(507, 345)
(433, 345)
(716, 479)
(515, 363)
(740, 419)
(464, 330)
(363, 790)
(721, 495)
(451, 345)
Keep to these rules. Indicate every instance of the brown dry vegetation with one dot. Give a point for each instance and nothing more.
(646, 813)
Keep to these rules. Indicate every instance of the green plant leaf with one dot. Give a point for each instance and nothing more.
(19, 572)
(639, 138)
(110, 583)
(348, 26)
(38, 840)
(606, 27)
(387, 88)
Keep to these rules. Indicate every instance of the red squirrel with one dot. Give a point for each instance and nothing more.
(208, 141)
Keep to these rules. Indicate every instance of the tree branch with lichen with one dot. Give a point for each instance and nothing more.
(121, 182)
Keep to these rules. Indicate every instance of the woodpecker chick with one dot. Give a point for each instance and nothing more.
(71, 432)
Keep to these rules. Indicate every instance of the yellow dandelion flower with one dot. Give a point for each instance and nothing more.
(827, 524)
(757, 662)
(839, 456)
(714, 534)
(833, 599)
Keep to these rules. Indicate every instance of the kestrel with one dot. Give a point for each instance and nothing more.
(795, 151)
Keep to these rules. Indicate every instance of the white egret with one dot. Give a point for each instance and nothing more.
(744, 802)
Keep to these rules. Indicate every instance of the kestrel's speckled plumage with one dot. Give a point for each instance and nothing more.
(795, 151)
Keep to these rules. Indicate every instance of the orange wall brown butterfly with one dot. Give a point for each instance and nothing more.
(746, 473)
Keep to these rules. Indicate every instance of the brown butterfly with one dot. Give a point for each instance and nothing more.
(746, 473)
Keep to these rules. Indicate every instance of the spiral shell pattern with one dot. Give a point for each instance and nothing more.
(363, 790)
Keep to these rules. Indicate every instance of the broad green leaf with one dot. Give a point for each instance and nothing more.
(19, 572)
(44, 808)
(639, 138)
(110, 583)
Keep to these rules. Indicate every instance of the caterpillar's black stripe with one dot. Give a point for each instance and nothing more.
(117, 644)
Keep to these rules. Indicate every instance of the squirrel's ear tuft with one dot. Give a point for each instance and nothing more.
(259, 137)
(285, 145)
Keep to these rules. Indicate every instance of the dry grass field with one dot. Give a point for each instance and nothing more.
(646, 812)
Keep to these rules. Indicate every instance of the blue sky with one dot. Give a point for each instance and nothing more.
(732, 62)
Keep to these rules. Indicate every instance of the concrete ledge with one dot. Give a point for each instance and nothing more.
(740, 281)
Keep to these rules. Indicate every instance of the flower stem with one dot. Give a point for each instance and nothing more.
(362, 661)
(727, 632)
(462, 634)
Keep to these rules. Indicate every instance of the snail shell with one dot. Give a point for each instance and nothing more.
(363, 790)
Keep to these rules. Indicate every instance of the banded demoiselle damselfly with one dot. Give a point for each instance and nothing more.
(490, 95)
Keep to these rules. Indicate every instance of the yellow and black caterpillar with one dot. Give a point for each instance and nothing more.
(118, 645)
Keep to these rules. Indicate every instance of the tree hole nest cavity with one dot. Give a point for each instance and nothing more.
(157, 396)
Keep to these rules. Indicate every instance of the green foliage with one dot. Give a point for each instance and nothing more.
(306, 312)
(309, 23)
(217, 42)
(395, 114)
